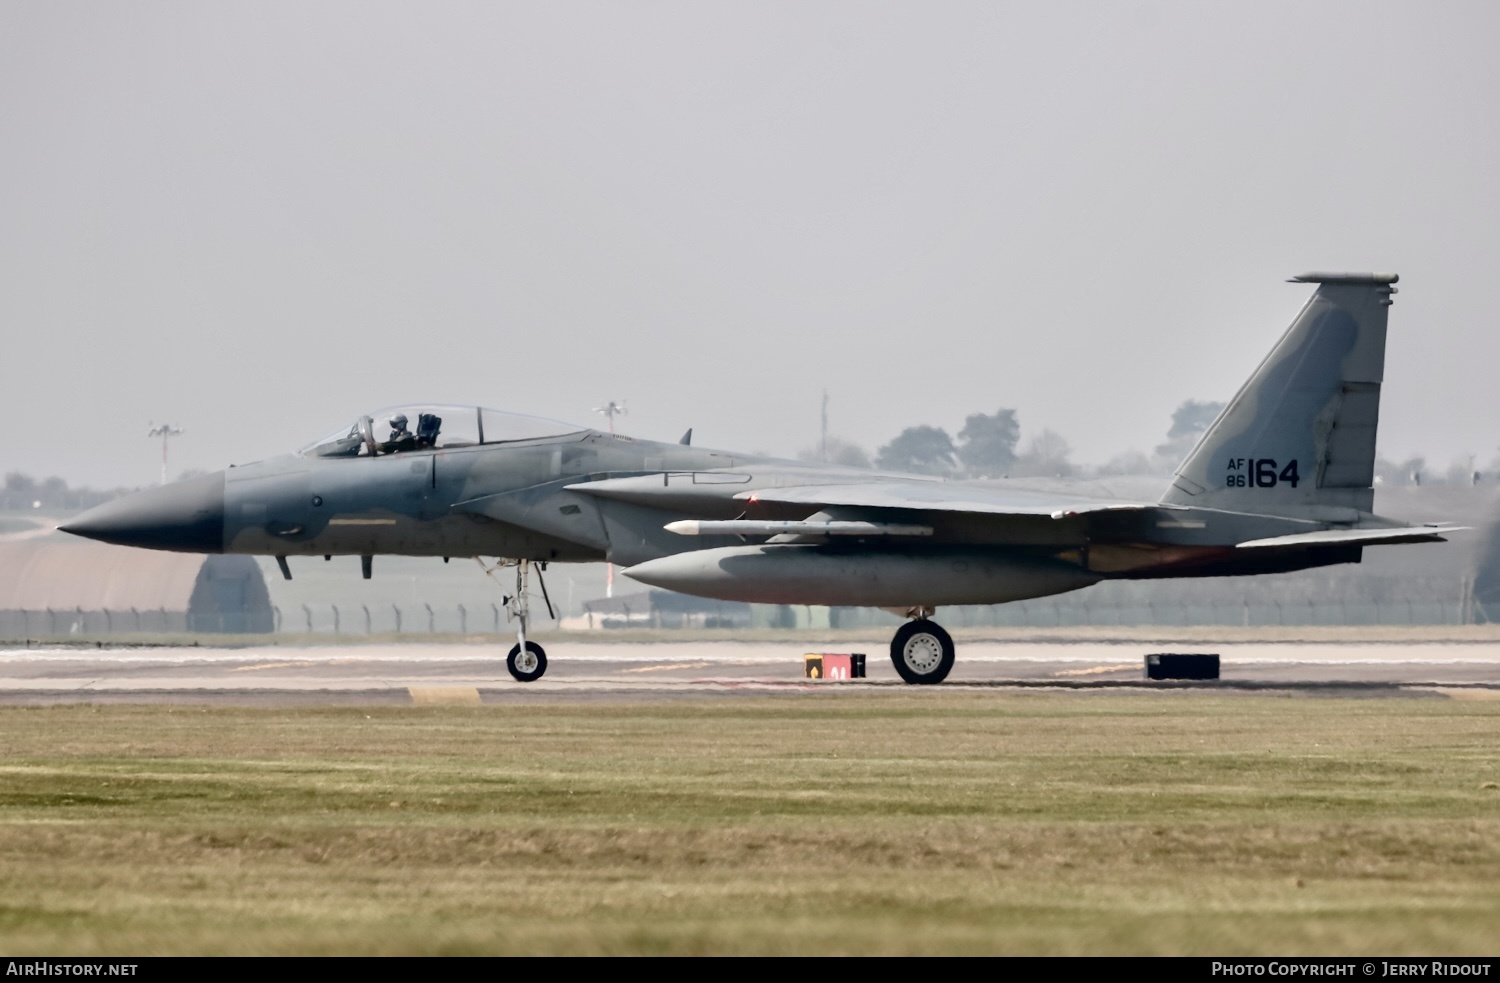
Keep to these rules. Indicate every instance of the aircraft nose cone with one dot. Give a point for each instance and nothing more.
(185, 516)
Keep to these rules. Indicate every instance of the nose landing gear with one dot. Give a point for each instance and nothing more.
(527, 660)
(922, 651)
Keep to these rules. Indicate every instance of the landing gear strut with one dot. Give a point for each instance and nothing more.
(527, 660)
(921, 651)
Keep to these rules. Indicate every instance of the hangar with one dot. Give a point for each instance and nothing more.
(50, 586)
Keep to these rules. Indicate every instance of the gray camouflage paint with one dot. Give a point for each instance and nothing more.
(1294, 408)
(590, 496)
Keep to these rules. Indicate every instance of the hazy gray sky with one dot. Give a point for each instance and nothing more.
(258, 220)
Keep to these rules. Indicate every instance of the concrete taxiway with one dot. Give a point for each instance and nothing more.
(472, 673)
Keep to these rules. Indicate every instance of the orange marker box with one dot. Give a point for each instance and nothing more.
(833, 665)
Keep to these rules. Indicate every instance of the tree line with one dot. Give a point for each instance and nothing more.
(22, 492)
(989, 446)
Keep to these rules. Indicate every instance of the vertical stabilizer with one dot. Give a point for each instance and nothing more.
(1299, 437)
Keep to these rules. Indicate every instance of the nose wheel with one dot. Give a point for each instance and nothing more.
(922, 652)
(528, 664)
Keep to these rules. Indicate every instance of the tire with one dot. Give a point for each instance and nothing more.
(527, 669)
(922, 652)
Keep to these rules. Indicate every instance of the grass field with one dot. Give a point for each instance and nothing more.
(836, 822)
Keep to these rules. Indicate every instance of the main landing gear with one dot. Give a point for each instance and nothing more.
(527, 660)
(921, 651)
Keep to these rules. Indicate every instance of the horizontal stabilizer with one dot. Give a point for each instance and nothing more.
(757, 527)
(1355, 537)
(1368, 279)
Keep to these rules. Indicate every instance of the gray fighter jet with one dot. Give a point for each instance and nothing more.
(1281, 481)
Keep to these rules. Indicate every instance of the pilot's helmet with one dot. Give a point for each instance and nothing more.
(398, 422)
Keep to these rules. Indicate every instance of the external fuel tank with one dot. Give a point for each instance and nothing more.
(816, 574)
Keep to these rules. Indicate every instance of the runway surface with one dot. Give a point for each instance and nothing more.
(472, 673)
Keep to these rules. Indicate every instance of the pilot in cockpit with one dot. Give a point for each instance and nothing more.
(401, 439)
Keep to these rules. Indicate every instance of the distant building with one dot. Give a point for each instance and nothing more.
(660, 609)
(669, 609)
(52, 587)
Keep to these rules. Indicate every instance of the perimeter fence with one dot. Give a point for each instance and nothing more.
(459, 619)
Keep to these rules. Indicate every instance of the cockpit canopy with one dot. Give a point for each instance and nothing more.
(424, 426)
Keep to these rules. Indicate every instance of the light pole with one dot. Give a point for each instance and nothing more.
(610, 410)
(166, 432)
(823, 434)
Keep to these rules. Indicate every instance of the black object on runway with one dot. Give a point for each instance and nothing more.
(1182, 665)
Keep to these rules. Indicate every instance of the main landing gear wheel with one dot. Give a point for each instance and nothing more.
(922, 652)
(528, 667)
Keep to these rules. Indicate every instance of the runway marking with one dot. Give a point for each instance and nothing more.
(1469, 694)
(673, 665)
(298, 663)
(1096, 670)
(444, 695)
(272, 665)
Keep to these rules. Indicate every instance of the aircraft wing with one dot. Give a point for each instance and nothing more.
(941, 497)
(704, 492)
(990, 500)
(908, 507)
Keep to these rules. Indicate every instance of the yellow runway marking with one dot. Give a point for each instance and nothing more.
(673, 665)
(294, 663)
(444, 695)
(1097, 670)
